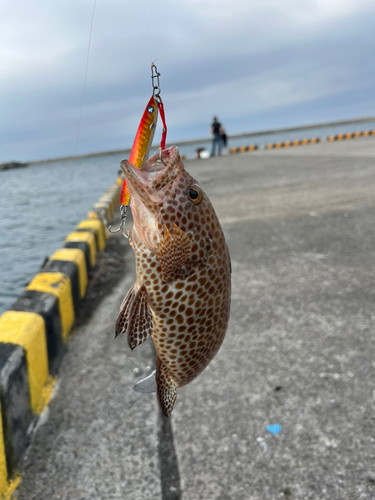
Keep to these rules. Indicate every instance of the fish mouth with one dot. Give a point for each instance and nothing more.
(149, 186)
(149, 181)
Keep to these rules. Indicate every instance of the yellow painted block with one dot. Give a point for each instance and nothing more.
(349, 135)
(46, 394)
(114, 188)
(118, 192)
(114, 191)
(233, 150)
(107, 200)
(365, 133)
(114, 203)
(304, 142)
(98, 227)
(119, 181)
(27, 330)
(88, 238)
(11, 488)
(339, 137)
(357, 134)
(372, 132)
(94, 215)
(286, 144)
(75, 255)
(312, 140)
(277, 145)
(295, 143)
(59, 285)
(108, 197)
(269, 146)
(242, 149)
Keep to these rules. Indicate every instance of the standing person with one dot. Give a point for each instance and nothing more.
(216, 140)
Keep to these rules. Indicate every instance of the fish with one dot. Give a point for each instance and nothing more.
(181, 297)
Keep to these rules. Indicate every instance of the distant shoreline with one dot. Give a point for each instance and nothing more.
(10, 165)
(208, 139)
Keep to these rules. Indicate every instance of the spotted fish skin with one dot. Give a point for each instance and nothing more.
(182, 293)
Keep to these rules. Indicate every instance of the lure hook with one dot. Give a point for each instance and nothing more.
(123, 210)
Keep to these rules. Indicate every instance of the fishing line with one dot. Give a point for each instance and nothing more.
(147, 26)
(82, 101)
(85, 80)
(149, 42)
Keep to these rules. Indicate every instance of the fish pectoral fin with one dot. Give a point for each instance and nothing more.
(122, 319)
(140, 321)
(166, 388)
(146, 385)
(173, 252)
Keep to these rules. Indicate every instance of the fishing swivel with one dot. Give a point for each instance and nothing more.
(123, 210)
(156, 94)
(155, 88)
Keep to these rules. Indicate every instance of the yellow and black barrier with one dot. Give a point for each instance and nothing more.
(303, 142)
(34, 331)
(350, 135)
(290, 144)
(243, 149)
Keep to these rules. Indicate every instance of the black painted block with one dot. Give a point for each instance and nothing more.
(15, 403)
(47, 306)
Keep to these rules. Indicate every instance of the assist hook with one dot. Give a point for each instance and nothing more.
(123, 210)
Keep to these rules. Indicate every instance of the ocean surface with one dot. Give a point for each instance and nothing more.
(42, 203)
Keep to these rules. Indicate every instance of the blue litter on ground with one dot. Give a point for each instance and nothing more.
(273, 429)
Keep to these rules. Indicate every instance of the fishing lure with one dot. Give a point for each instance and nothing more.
(143, 141)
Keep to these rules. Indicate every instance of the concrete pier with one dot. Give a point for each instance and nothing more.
(299, 352)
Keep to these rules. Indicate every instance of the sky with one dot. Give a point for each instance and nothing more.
(255, 65)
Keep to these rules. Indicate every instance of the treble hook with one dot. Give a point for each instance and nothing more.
(123, 209)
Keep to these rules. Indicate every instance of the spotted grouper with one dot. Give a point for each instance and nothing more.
(182, 294)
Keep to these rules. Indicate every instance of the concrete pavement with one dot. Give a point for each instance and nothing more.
(299, 352)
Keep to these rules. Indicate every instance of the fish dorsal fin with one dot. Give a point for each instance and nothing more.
(173, 252)
(122, 319)
(146, 385)
(140, 320)
(166, 388)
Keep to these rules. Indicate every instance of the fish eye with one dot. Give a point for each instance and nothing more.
(150, 109)
(195, 194)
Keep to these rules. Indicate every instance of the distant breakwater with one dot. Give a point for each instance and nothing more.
(231, 137)
(12, 164)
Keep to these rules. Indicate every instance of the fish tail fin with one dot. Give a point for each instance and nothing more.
(146, 385)
(166, 388)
